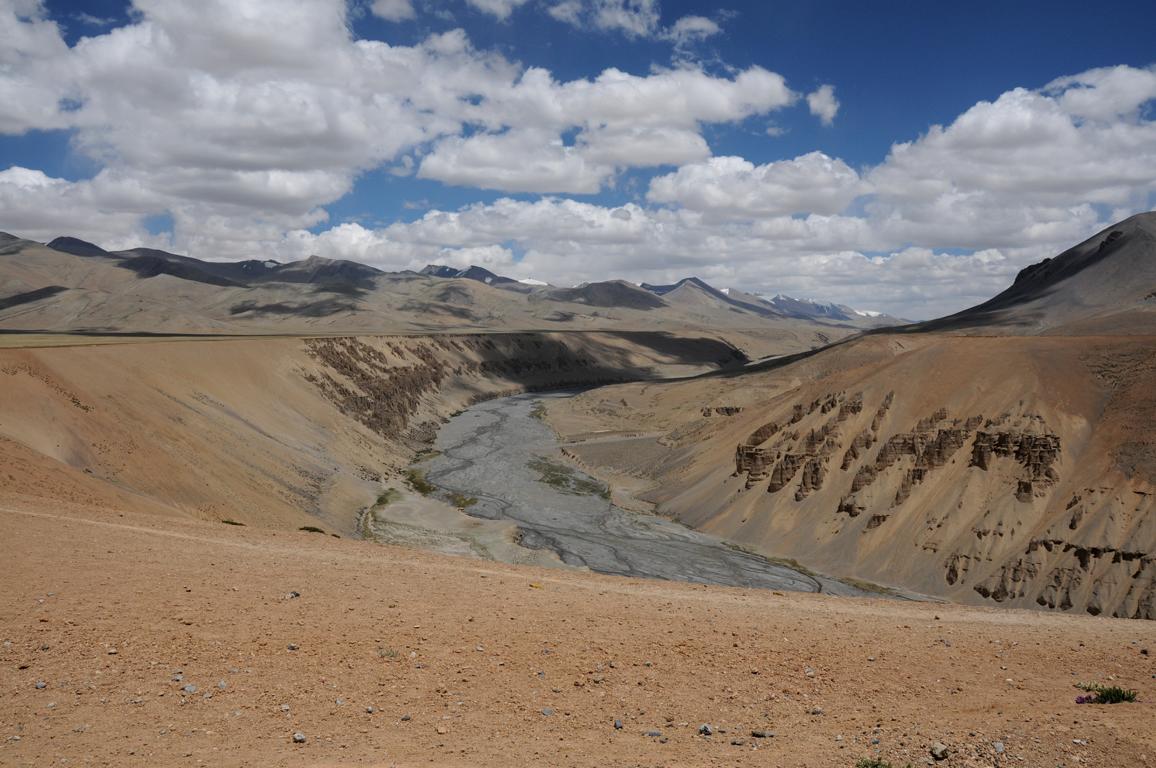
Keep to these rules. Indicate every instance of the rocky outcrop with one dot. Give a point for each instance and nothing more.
(763, 433)
(812, 477)
(722, 410)
(1036, 453)
(785, 469)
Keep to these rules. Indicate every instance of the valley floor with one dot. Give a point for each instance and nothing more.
(467, 662)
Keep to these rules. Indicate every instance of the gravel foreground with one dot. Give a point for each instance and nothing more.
(136, 640)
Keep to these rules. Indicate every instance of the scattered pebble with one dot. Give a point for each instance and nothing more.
(298, 738)
(222, 685)
(760, 733)
(370, 710)
(653, 734)
(406, 718)
(998, 747)
(111, 651)
(292, 646)
(618, 725)
(41, 685)
(190, 688)
(939, 750)
(705, 729)
(547, 711)
(816, 710)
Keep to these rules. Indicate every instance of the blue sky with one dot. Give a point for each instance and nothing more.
(422, 139)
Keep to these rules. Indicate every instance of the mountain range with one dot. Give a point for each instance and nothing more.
(72, 286)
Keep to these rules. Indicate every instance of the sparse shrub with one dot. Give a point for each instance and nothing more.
(1104, 694)
(388, 496)
(539, 411)
(461, 500)
(566, 479)
(386, 653)
(415, 478)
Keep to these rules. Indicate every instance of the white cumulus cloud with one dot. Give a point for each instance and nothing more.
(394, 10)
(823, 104)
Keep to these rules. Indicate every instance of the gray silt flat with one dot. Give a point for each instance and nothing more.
(485, 453)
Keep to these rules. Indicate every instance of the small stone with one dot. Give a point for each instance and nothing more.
(441, 731)
(998, 747)
(653, 734)
(222, 685)
(870, 658)
(292, 646)
(816, 711)
(284, 707)
(738, 742)
(111, 651)
(178, 677)
(547, 711)
(299, 738)
(41, 685)
(939, 750)
(370, 710)
(875, 740)
(293, 595)
(406, 718)
(705, 730)
(760, 733)
(618, 725)
(808, 672)
(190, 688)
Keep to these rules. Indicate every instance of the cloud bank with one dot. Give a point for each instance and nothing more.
(243, 120)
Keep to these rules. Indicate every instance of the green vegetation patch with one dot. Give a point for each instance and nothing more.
(1104, 694)
(566, 479)
(415, 479)
(388, 496)
(461, 501)
(538, 411)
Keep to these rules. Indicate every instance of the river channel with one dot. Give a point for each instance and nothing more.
(501, 455)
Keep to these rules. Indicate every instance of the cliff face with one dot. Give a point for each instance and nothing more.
(278, 432)
(1001, 471)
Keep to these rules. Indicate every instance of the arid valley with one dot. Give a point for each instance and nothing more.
(577, 383)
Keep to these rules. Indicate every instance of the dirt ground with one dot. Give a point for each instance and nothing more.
(162, 641)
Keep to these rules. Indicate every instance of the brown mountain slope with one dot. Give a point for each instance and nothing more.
(277, 432)
(988, 467)
(1105, 285)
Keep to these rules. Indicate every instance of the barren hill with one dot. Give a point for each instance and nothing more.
(1104, 285)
